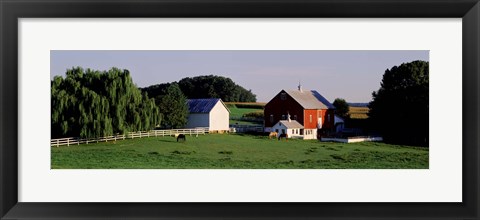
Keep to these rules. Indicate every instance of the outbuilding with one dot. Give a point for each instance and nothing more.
(292, 128)
(211, 113)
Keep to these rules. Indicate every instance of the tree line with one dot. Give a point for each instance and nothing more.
(209, 86)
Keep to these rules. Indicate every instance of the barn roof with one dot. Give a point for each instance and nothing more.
(310, 99)
(202, 105)
(290, 124)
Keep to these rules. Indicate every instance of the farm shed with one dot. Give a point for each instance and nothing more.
(314, 112)
(290, 127)
(211, 113)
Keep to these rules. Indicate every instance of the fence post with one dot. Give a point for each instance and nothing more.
(58, 144)
(68, 142)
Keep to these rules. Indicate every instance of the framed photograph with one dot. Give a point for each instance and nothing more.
(251, 110)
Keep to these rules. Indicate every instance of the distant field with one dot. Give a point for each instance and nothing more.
(358, 112)
(235, 151)
(238, 109)
(238, 112)
(247, 103)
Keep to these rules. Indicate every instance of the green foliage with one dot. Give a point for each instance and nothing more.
(207, 87)
(221, 151)
(173, 107)
(400, 107)
(91, 104)
(341, 108)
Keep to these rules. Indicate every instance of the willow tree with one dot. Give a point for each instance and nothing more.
(94, 104)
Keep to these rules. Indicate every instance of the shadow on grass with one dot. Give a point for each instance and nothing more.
(168, 140)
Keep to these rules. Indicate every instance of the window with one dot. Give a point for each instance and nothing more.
(283, 131)
(276, 130)
(311, 119)
(283, 96)
(271, 118)
(301, 131)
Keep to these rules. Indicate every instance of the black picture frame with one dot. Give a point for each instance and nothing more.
(12, 10)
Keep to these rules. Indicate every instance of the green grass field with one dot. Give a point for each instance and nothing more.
(238, 112)
(218, 151)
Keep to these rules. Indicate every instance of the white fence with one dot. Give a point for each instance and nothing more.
(352, 139)
(129, 135)
(247, 128)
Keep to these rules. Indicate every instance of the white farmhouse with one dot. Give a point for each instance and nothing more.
(211, 113)
(290, 127)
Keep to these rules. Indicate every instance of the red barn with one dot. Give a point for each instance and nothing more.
(309, 108)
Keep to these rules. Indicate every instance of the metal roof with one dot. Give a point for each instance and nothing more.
(310, 99)
(202, 105)
(290, 124)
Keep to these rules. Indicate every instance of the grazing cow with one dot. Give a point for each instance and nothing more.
(272, 135)
(283, 136)
(181, 137)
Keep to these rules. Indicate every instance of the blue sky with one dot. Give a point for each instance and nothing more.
(352, 75)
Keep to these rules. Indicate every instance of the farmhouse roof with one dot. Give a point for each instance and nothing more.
(290, 124)
(203, 105)
(310, 99)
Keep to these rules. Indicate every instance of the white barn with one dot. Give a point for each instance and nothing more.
(211, 113)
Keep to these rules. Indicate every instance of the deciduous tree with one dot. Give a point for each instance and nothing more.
(400, 107)
(341, 108)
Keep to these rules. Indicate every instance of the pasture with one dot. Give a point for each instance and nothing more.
(239, 112)
(236, 151)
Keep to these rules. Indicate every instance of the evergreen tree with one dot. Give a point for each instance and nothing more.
(173, 107)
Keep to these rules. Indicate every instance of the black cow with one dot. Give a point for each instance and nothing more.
(181, 137)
